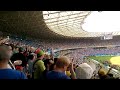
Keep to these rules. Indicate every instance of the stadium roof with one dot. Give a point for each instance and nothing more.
(83, 23)
(54, 24)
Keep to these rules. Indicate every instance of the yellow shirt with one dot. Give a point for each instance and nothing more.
(39, 68)
(68, 73)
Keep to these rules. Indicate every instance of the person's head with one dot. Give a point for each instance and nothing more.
(31, 56)
(40, 54)
(48, 62)
(47, 56)
(32, 49)
(101, 73)
(53, 65)
(74, 66)
(16, 49)
(21, 50)
(10, 49)
(84, 71)
(5, 53)
(62, 63)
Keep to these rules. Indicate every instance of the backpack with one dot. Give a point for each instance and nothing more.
(11, 65)
(33, 68)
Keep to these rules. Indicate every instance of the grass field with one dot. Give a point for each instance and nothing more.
(115, 60)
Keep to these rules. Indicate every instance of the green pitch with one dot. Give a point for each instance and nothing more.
(113, 59)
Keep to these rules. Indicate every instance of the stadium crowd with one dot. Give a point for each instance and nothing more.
(21, 59)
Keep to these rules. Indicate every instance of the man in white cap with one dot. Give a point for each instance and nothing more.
(84, 71)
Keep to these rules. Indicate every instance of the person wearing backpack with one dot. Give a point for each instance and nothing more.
(5, 71)
(38, 66)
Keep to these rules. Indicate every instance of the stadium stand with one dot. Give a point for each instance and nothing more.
(48, 48)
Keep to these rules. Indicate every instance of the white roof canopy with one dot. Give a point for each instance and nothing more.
(83, 23)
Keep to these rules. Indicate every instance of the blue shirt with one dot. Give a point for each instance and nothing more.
(56, 75)
(11, 74)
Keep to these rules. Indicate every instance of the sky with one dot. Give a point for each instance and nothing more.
(105, 21)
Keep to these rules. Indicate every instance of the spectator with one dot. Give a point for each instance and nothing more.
(15, 50)
(103, 75)
(53, 65)
(31, 59)
(84, 71)
(5, 72)
(10, 65)
(48, 63)
(38, 66)
(19, 57)
(61, 66)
